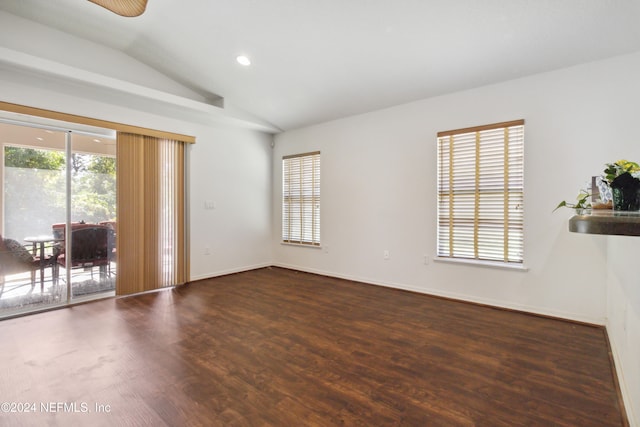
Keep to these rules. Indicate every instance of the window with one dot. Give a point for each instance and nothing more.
(480, 193)
(301, 199)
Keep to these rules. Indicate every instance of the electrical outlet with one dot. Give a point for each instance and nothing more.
(426, 259)
(385, 254)
(207, 250)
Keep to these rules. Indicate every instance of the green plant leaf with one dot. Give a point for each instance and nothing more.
(560, 205)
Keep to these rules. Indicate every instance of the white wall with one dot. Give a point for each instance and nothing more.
(379, 193)
(232, 169)
(623, 318)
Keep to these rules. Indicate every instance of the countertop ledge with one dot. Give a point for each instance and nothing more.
(605, 221)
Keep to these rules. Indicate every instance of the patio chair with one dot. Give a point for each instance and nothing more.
(90, 247)
(16, 258)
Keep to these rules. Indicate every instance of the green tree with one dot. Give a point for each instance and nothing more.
(94, 189)
(30, 158)
(102, 164)
(35, 189)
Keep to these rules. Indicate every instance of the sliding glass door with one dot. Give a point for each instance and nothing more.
(58, 215)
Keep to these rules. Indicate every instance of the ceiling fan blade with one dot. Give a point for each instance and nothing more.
(129, 8)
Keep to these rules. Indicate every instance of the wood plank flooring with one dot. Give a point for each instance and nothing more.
(275, 347)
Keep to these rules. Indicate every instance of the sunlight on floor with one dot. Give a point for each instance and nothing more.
(18, 295)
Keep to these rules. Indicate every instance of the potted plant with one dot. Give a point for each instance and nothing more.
(622, 177)
(582, 202)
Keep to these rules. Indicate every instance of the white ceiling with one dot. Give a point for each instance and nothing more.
(317, 60)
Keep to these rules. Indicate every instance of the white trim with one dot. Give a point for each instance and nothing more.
(304, 245)
(622, 384)
(455, 296)
(482, 263)
(230, 271)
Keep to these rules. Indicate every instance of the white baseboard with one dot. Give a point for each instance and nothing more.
(617, 363)
(455, 296)
(230, 271)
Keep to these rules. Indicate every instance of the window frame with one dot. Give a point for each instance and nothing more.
(466, 189)
(301, 192)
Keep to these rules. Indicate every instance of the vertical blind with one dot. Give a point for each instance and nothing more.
(151, 220)
(301, 199)
(481, 193)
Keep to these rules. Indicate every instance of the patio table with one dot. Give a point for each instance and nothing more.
(39, 246)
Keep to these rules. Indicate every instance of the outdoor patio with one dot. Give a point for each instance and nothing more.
(18, 294)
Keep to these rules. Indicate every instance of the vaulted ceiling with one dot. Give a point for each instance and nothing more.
(317, 60)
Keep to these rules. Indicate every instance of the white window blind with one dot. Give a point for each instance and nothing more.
(301, 199)
(481, 193)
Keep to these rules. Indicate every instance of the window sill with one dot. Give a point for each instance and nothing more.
(301, 245)
(487, 264)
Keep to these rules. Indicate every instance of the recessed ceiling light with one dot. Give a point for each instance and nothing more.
(96, 140)
(243, 60)
(40, 139)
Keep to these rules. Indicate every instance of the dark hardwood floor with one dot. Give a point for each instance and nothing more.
(275, 347)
